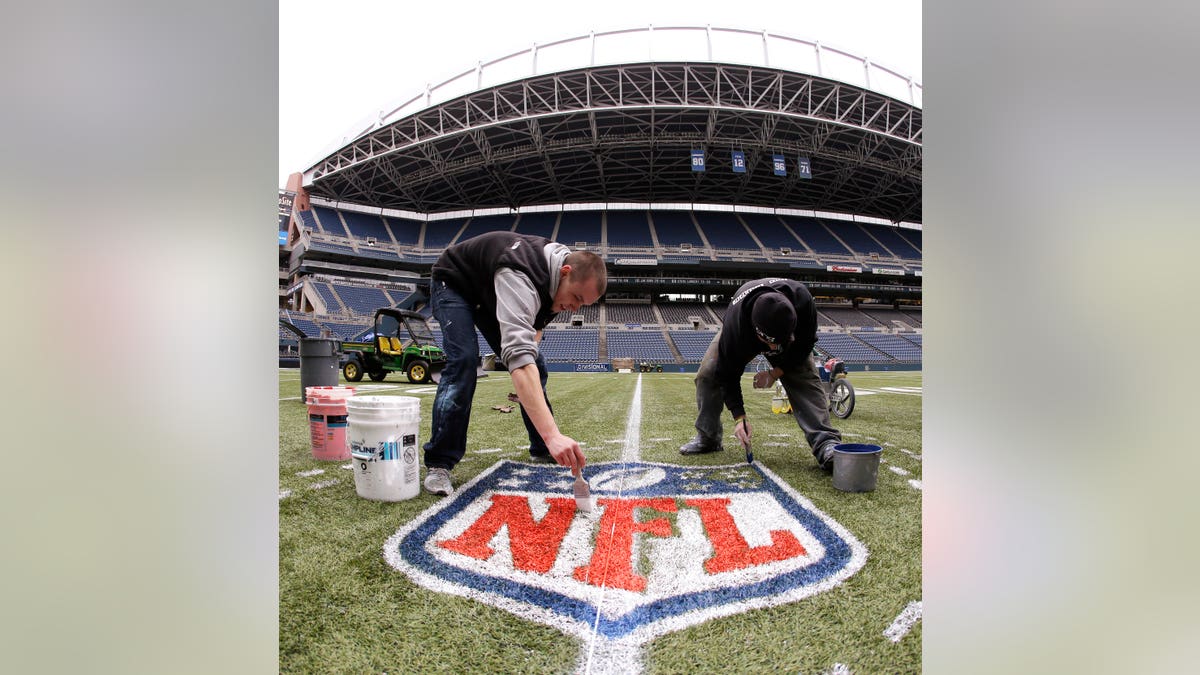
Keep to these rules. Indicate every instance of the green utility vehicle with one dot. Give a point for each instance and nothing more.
(402, 342)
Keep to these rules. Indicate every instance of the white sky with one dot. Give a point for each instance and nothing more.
(340, 62)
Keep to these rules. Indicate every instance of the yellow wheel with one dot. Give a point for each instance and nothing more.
(418, 372)
(352, 371)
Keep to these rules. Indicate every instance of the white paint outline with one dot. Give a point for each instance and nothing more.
(904, 622)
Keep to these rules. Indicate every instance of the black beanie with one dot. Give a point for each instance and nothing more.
(774, 315)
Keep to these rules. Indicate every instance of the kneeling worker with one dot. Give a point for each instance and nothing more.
(775, 318)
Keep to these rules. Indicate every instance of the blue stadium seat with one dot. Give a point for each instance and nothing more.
(816, 236)
(571, 345)
(724, 230)
(579, 226)
(692, 343)
(407, 232)
(439, 233)
(629, 228)
(330, 223)
(639, 345)
(849, 348)
(362, 225)
(674, 228)
(890, 238)
(539, 224)
(361, 299)
(483, 224)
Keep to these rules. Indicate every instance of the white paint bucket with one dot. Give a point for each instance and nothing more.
(383, 446)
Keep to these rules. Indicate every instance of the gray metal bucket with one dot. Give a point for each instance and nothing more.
(318, 363)
(856, 466)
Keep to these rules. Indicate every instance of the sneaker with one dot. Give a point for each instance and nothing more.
(438, 481)
(541, 458)
(699, 447)
(825, 456)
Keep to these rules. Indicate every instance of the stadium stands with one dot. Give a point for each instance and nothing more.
(539, 224)
(310, 328)
(913, 315)
(362, 226)
(407, 232)
(439, 233)
(317, 245)
(913, 237)
(580, 226)
(675, 228)
(678, 313)
(771, 232)
(723, 230)
(625, 313)
(857, 238)
(889, 317)
(848, 348)
(639, 344)
(330, 223)
(332, 304)
(898, 245)
(346, 331)
(824, 321)
(816, 236)
(483, 224)
(892, 345)
(571, 345)
(309, 221)
(629, 229)
(848, 317)
(692, 343)
(361, 299)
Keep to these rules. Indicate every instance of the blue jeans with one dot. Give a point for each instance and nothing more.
(456, 390)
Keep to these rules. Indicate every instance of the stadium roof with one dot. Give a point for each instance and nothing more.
(625, 132)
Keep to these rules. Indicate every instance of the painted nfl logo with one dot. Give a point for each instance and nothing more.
(665, 548)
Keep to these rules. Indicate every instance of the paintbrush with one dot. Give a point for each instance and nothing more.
(583, 494)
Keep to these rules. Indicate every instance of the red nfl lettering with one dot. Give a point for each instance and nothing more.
(534, 545)
(612, 559)
(732, 551)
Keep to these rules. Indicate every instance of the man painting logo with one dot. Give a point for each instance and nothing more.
(664, 548)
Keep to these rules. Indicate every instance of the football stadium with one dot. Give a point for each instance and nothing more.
(712, 157)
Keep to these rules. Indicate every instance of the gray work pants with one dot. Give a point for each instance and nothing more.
(805, 390)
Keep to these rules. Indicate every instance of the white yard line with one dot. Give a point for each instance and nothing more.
(916, 484)
(904, 622)
(323, 484)
(898, 470)
(307, 474)
(631, 451)
(602, 655)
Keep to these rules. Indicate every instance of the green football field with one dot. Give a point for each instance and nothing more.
(342, 608)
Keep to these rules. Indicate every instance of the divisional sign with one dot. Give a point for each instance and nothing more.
(664, 548)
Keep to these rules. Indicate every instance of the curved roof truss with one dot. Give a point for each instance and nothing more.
(625, 132)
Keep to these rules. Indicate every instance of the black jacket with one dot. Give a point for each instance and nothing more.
(739, 345)
(470, 267)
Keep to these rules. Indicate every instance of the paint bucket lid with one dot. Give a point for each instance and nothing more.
(382, 404)
(862, 448)
(322, 395)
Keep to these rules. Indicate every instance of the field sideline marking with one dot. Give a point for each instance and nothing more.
(904, 622)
